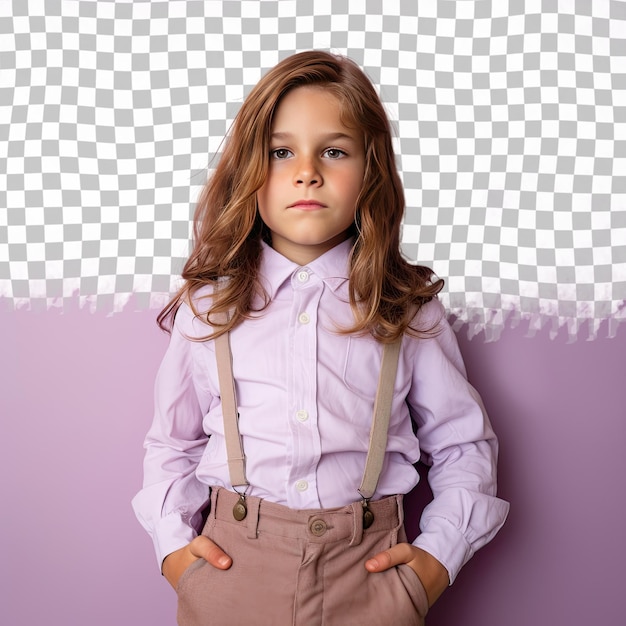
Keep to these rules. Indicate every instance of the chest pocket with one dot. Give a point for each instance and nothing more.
(362, 366)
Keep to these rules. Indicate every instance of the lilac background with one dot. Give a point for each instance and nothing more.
(76, 401)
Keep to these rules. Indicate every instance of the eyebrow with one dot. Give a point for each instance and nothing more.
(328, 137)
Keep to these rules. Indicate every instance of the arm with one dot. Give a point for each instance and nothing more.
(457, 441)
(170, 504)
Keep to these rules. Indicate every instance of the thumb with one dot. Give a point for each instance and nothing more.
(206, 549)
(400, 553)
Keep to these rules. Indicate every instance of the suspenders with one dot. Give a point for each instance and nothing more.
(378, 432)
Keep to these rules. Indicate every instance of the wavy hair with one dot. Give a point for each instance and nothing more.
(385, 290)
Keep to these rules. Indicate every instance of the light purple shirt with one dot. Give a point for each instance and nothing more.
(305, 396)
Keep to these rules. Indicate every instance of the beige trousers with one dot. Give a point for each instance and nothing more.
(302, 568)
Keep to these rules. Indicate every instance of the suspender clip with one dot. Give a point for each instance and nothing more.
(368, 515)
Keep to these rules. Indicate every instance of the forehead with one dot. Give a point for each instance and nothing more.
(311, 105)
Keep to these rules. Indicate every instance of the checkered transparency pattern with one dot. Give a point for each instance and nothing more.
(511, 141)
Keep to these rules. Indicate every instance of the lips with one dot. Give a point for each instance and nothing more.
(307, 204)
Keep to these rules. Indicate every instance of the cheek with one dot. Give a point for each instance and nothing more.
(261, 207)
(262, 197)
(265, 202)
(269, 191)
(353, 187)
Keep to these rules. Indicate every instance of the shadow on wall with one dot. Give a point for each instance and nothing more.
(559, 409)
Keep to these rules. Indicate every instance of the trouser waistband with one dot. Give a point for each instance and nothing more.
(316, 525)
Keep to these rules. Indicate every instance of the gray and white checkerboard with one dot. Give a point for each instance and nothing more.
(511, 120)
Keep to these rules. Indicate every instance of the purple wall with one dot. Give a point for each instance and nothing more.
(75, 403)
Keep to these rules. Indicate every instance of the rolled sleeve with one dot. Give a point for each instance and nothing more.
(458, 443)
(170, 504)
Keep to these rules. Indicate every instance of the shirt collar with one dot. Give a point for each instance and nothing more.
(332, 267)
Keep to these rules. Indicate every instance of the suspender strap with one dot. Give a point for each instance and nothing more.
(378, 431)
(380, 420)
(234, 449)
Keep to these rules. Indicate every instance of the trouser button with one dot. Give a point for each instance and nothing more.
(318, 527)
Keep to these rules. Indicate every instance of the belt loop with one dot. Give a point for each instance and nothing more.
(213, 507)
(253, 517)
(400, 504)
(357, 523)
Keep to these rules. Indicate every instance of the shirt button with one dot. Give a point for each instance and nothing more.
(304, 318)
(303, 276)
(302, 415)
(302, 485)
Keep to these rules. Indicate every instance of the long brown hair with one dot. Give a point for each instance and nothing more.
(385, 290)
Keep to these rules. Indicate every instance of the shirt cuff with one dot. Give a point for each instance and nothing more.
(446, 543)
(170, 534)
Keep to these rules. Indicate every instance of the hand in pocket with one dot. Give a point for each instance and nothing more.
(432, 574)
(201, 547)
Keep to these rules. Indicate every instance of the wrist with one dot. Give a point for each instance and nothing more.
(432, 574)
(174, 564)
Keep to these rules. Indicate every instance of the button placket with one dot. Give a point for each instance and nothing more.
(307, 291)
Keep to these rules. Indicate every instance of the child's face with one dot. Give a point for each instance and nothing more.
(316, 171)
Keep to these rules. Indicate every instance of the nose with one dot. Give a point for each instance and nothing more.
(307, 173)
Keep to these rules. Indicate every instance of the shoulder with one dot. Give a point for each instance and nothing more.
(200, 300)
(430, 318)
(434, 338)
(190, 320)
(430, 326)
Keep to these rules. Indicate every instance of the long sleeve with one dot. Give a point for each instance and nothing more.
(457, 441)
(170, 504)
(305, 395)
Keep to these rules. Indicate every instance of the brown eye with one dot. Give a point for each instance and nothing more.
(334, 153)
(280, 153)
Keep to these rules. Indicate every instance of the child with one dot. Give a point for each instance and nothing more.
(296, 267)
